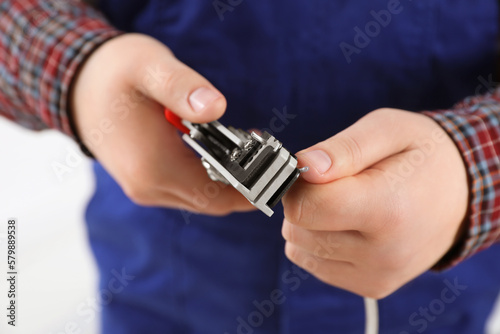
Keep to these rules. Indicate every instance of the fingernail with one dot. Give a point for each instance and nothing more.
(202, 97)
(317, 159)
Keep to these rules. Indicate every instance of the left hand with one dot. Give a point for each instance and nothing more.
(382, 202)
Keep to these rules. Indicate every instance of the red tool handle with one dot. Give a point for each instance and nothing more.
(176, 121)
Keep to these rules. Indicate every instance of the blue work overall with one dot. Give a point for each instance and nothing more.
(303, 70)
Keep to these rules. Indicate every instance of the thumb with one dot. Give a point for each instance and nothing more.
(165, 79)
(373, 138)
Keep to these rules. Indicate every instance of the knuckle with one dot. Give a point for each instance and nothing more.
(223, 205)
(286, 231)
(291, 252)
(136, 194)
(137, 182)
(174, 78)
(218, 210)
(352, 149)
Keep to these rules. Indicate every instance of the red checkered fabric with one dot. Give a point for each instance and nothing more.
(474, 125)
(41, 46)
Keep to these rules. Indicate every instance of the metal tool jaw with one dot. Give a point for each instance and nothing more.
(256, 165)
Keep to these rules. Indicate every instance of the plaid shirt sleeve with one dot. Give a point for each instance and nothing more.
(42, 43)
(474, 125)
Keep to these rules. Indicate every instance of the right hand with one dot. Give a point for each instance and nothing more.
(117, 102)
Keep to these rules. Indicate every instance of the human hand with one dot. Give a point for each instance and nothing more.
(382, 202)
(118, 98)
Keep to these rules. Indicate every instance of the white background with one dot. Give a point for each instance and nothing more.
(57, 274)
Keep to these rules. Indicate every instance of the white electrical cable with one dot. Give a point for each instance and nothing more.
(371, 316)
